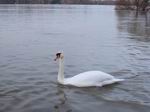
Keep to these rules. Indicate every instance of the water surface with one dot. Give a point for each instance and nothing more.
(92, 38)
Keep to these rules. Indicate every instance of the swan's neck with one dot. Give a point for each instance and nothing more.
(60, 77)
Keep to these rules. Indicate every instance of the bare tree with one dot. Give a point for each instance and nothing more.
(138, 5)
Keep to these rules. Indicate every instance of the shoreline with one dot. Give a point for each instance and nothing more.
(71, 3)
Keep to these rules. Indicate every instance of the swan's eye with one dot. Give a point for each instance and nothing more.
(58, 55)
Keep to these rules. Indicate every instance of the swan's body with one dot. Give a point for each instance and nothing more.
(85, 79)
(91, 78)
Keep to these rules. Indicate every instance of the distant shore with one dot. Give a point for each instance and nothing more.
(82, 2)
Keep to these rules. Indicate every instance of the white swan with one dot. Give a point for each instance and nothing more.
(86, 79)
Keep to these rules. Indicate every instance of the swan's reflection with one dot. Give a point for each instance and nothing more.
(71, 98)
(63, 104)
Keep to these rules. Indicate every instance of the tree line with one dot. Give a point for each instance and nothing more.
(138, 5)
(44, 1)
(56, 2)
(27, 1)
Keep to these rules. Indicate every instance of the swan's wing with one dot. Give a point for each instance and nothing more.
(91, 78)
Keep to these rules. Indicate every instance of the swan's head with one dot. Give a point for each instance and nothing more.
(59, 56)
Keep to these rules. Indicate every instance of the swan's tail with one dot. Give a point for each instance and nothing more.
(111, 82)
(118, 80)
